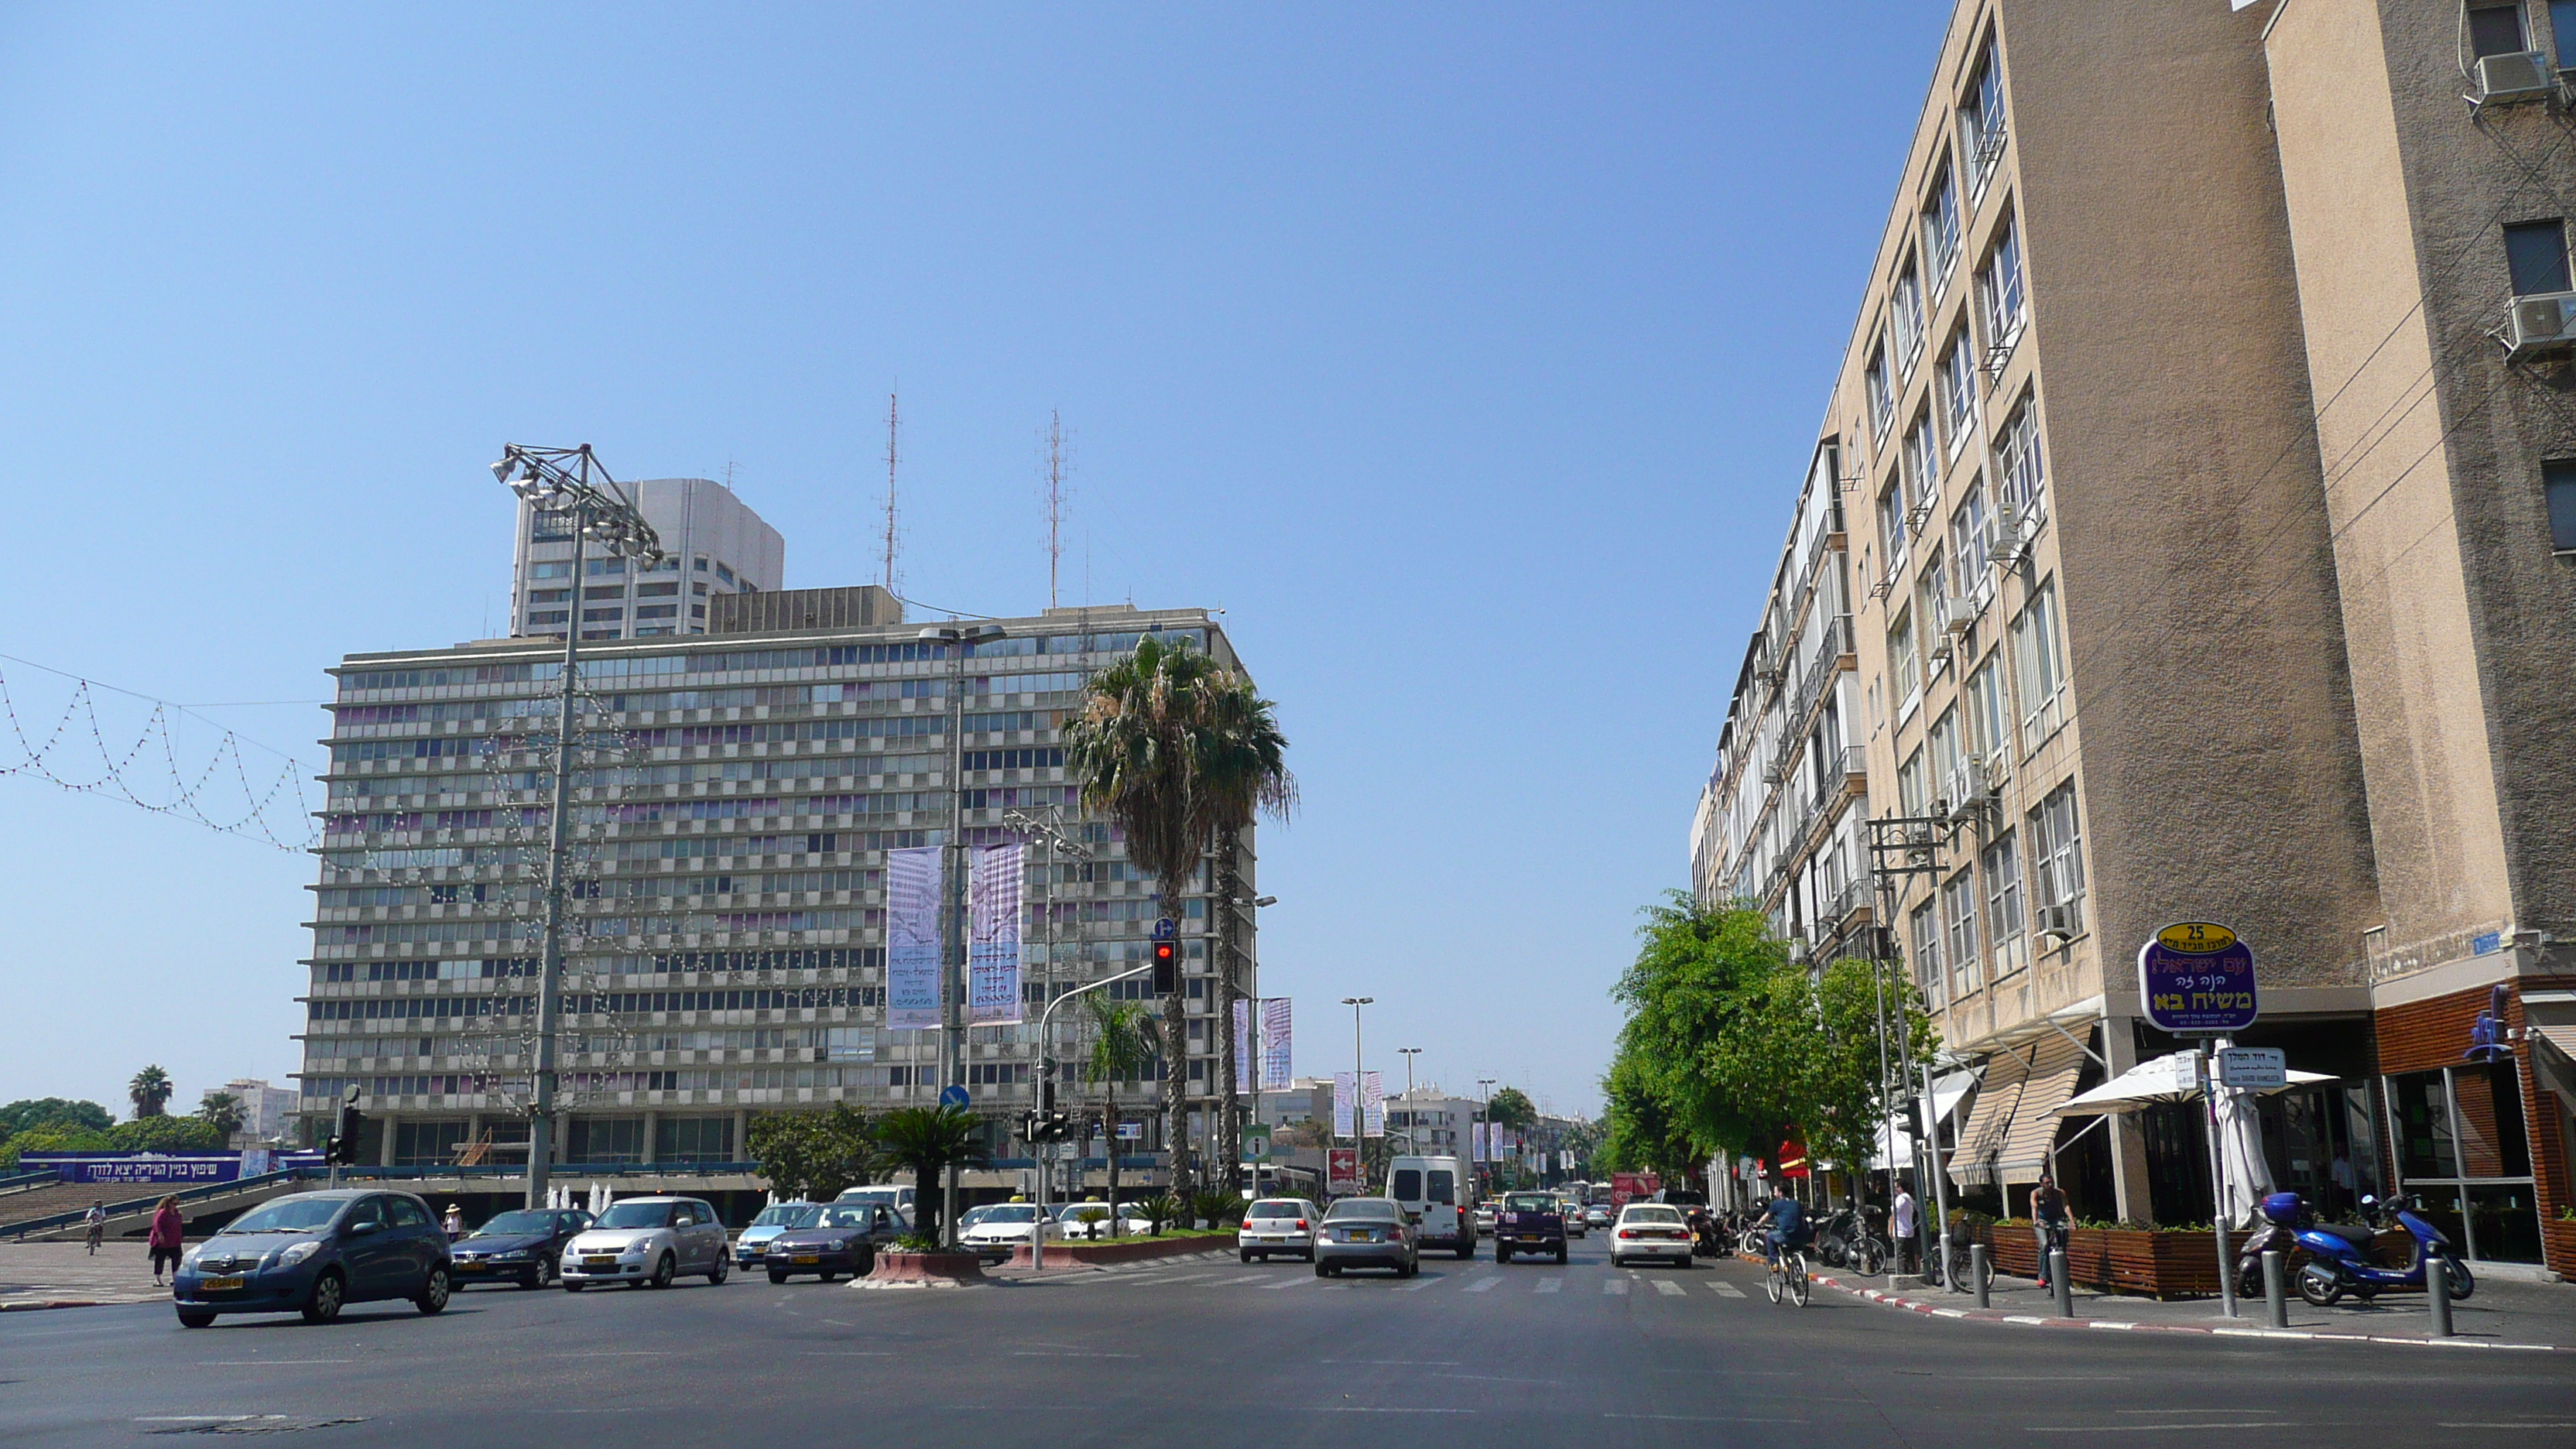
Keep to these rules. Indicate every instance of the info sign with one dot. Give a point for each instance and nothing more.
(1342, 1171)
(2197, 979)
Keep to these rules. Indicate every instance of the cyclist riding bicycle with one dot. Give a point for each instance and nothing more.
(1788, 1220)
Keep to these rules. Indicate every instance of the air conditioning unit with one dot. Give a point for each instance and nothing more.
(2539, 321)
(2008, 538)
(1945, 646)
(2066, 922)
(2520, 75)
(1966, 789)
(1958, 616)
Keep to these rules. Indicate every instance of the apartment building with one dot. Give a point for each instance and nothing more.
(735, 799)
(715, 546)
(2194, 485)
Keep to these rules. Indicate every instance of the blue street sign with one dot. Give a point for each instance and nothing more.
(2197, 979)
(1165, 928)
(954, 1097)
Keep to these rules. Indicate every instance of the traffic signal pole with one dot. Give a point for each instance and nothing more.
(1046, 1097)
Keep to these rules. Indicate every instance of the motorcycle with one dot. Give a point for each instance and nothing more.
(1833, 1240)
(2339, 1256)
(1708, 1238)
(2284, 1214)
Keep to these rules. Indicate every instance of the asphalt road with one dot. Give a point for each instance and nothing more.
(1215, 1352)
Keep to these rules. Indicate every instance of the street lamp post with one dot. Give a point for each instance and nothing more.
(1412, 1109)
(1243, 906)
(1359, 1111)
(960, 642)
(1485, 1095)
(565, 481)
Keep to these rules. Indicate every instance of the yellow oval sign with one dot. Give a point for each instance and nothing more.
(2195, 937)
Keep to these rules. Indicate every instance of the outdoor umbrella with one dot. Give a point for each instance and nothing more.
(2240, 1132)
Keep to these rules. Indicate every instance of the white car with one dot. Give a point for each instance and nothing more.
(1004, 1227)
(1484, 1220)
(648, 1240)
(1131, 1215)
(1650, 1231)
(1574, 1224)
(1278, 1225)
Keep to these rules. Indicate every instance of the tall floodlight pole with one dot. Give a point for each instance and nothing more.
(1359, 1110)
(1412, 1108)
(1237, 957)
(565, 481)
(1485, 1090)
(960, 641)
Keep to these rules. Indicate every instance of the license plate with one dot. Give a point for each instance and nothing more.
(808, 1258)
(595, 1264)
(221, 1285)
(463, 1266)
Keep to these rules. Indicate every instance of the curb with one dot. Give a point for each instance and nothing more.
(34, 1305)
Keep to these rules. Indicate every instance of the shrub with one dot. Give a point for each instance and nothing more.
(1160, 1210)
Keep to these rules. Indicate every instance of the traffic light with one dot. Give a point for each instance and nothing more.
(1167, 968)
(345, 1127)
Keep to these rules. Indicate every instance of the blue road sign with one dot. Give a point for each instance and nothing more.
(1165, 928)
(954, 1097)
(2197, 979)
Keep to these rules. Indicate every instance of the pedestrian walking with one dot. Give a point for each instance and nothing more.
(167, 1233)
(2048, 1221)
(1902, 1221)
(95, 1220)
(455, 1223)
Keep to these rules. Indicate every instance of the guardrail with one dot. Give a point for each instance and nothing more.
(21, 1181)
(414, 1172)
(20, 1231)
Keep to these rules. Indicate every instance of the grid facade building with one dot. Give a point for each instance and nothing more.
(725, 952)
(715, 546)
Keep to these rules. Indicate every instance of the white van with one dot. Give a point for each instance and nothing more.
(1436, 1193)
(891, 1194)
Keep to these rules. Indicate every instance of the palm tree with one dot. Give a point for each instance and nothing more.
(149, 1092)
(1181, 752)
(1120, 1052)
(222, 1110)
(930, 1140)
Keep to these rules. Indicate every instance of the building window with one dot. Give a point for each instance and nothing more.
(2562, 31)
(1907, 661)
(2039, 659)
(1989, 716)
(2559, 480)
(604, 591)
(2536, 252)
(2001, 865)
(600, 566)
(1955, 380)
(1933, 614)
(725, 573)
(1905, 316)
(658, 611)
(602, 616)
(2002, 301)
(1891, 523)
(1910, 794)
(1943, 742)
(2496, 30)
(2057, 861)
(2023, 466)
(1928, 976)
(702, 565)
(1923, 462)
(561, 570)
(1968, 542)
(548, 616)
(1959, 910)
(1882, 398)
(657, 591)
(1940, 232)
(549, 596)
(1981, 120)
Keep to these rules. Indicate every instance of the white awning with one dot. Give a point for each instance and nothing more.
(2165, 1079)
(2013, 1123)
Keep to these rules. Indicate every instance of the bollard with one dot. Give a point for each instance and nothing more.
(2060, 1283)
(1941, 1265)
(2276, 1288)
(1979, 1280)
(2437, 1289)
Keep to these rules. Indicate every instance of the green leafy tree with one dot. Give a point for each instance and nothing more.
(165, 1134)
(1182, 753)
(1122, 1050)
(149, 1091)
(34, 1112)
(222, 1110)
(928, 1141)
(1510, 1107)
(814, 1155)
(53, 1139)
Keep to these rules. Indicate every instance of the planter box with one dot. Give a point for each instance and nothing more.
(2558, 1245)
(2159, 1263)
(924, 1270)
(1061, 1254)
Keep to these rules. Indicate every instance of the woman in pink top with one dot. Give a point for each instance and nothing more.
(167, 1231)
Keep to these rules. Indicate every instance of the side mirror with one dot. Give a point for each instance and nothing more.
(361, 1229)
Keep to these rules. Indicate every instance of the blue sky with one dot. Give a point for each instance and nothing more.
(1467, 358)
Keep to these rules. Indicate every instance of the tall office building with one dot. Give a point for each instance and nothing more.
(727, 955)
(2179, 544)
(714, 546)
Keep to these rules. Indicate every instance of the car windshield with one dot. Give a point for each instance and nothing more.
(1012, 1212)
(1653, 1215)
(637, 1215)
(1529, 1202)
(517, 1224)
(786, 1215)
(293, 1215)
(1074, 1212)
(847, 1215)
(1277, 1210)
(1364, 1209)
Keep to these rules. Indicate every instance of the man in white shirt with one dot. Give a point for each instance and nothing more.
(1901, 1221)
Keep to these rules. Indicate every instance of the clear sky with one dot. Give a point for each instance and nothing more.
(1468, 358)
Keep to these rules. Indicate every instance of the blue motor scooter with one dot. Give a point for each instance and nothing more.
(2339, 1256)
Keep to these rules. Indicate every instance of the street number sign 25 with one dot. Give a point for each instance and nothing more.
(2197, 979)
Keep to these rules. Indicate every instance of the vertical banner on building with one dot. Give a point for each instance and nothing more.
(1277, 1059)
(1373, 1096)
(993, 935)
(1476, 1143)
(1247, 1045)
(1346, 1095)
(1261, 1050)
(912, 937)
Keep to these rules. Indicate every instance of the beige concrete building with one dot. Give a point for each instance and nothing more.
(2202, 568)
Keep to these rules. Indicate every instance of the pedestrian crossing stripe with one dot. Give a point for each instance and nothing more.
(1482, 1284)
(1668, 1288)
(1551, 1285)
(1726, 1290)
(1614, 1285)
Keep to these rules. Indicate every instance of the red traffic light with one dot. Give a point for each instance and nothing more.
(1167, 968)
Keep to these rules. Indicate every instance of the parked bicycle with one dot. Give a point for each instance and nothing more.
(1963, 1264)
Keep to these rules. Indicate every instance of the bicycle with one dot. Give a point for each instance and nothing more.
(1961, 1264)
(1789, 1276)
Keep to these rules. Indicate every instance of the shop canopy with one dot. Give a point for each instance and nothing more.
(2165, 1079)
(1896, 1135)
(2013, 1124)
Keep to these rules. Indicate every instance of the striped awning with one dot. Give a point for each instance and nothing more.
(2014, 1123)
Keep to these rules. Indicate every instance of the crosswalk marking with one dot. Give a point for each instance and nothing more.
(1288, 1283)
(1246, 1278)
(1668, 1288)
(1614, 1285)
(1726, 1290)
(1481, 1284)
(1551, 1285)
(1417, 1287)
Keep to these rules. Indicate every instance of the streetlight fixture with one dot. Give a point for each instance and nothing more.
(566, 481)
(960, 641)
(1359, 1112)
(1412, 1109)
(1485, 1091)
(1243, 906)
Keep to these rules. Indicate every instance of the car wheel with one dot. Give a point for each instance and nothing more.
(196, 1320)
(1247, 1257)
(546, 1274)
(722, 1270)
(433, 1292)
(777, 1277)
(328, 1294)
(1502, 1254)
(867, 1262)
(1466, 1249)
(664, 1271)
(1322, 1271)
(827, 1275)
(1560, 1255)
(574, 1287)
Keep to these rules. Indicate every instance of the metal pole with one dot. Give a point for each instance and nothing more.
(1359, 1105)
(2060, 1284)
(1979, 1279)
(952, 987)
(2437, 1293)
(2276, 1288)
(550, 954)
(2206, 1081)
(1940, 1179)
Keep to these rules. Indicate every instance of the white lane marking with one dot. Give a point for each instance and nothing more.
(1614, 1285)
(1668, 1288)
(622, 1353)
(1184, 1278)
(844, 1353)
(268, 1362)
(1418, 1287)
(1246, 1278)
(1066, 1353)
(1287, 1283)
(1551, 1285)
(1367, 1409)
(1726, 1290)
(2154, 1428)
(1481, 1284)
(1700, 1419)
(1399, 1362)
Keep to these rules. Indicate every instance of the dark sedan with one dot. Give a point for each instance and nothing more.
(523, 1247)
(844, 1238)
(311, 1252)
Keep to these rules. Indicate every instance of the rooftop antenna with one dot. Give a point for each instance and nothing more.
(891, 427)
(1055, 468)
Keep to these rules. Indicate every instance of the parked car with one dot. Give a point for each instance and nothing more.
(1485, 1219)
(523, 1247)
(1278, 1225)
(843, 1238)
(1529, 1222)
(1428, 1187)
(893, 1194)
(1576, 1218)
(312, 1253)
(1004, 1228)
(1130, 1219)
(648, 1240)
(753, 1242)
(1367, 1232)
(1596, 1216)
(1651, 1231)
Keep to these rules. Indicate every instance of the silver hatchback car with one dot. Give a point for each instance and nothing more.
(1367, 1232)
(648, 1240)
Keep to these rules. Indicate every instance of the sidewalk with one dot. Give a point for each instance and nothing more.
(2505, 1315)
(64, 1275)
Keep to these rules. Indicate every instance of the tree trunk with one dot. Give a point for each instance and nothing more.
(1228, 1132)
(1176, 1059)
(1109, 1126)
(925, 1201)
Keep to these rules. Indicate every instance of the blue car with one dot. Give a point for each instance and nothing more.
(312, 1253)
